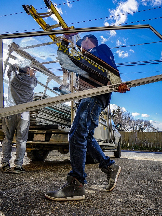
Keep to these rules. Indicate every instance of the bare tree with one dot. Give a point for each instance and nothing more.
(124, 121)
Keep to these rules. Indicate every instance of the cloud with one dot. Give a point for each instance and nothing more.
(26, 40)
(68, 4)
(152, 2)
(156, 124)
(122, 54)
(113, 107)
(7, 41)
(157, 2)
(103, 39)
(53, 16)
(144, 115)
(121, 12)
(135, 114)
(144, 2)
(123, 41)
(112, 33)
(106, 23)
(5, 49)
(131, 50)
(123, 109)
(118, 43)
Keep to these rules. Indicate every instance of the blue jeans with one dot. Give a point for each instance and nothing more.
(81, 138)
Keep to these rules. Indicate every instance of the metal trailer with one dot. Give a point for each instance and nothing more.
(46, 135)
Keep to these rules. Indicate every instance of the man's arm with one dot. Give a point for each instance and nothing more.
(67, 64)
(31, 73)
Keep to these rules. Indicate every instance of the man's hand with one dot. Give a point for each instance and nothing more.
(69, 35)
(122, 88)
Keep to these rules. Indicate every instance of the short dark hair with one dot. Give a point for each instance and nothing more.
(23, 69)
(91, 37)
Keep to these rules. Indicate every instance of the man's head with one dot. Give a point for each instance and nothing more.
(88, 42)
(27, 70)
(24, 69)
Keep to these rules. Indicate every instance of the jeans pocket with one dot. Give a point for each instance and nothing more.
(95, 112)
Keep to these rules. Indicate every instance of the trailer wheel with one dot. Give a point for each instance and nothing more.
(117, 153)
(37, 155)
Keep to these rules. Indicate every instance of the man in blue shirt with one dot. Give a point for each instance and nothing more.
(81, 138)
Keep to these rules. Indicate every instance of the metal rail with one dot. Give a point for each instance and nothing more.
(74, 96)
(78, 30)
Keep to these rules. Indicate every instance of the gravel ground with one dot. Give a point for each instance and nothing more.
(138, 191)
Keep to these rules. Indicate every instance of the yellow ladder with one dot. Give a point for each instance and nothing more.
(39, 18)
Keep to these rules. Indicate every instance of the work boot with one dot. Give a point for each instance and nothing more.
(6, 168)
(18, 170)
(72, 190)
(112, 172)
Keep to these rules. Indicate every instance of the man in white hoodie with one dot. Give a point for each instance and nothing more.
(22, 82)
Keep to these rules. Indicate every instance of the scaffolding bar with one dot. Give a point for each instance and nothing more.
(1, 74)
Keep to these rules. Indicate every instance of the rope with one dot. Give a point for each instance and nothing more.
(40, 8)
(98, 18)
(139, 63)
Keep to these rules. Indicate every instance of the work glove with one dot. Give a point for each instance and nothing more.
(122, 88)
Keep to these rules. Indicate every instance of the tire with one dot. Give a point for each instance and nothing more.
(117, 153)
(63, 150)
(37, 155)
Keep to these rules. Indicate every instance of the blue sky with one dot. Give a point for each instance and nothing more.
(142, 102)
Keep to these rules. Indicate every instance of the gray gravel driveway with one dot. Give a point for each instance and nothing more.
(138, 191)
